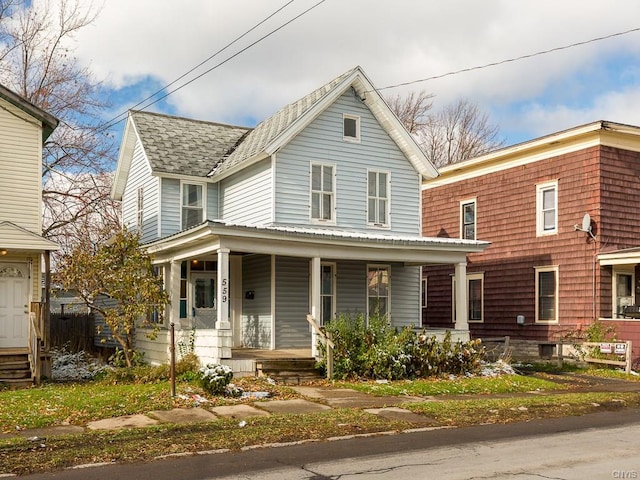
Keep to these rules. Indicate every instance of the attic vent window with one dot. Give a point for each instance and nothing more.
(351, 128)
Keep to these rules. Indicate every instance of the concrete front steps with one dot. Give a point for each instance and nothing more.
(15, 371)
(288, 371)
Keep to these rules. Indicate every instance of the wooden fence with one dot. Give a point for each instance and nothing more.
(75, 331)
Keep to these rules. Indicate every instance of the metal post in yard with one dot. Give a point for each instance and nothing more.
(330, 346)
(628, 358)
(172, 351)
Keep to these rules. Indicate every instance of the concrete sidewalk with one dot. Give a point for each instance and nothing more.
(316, 399)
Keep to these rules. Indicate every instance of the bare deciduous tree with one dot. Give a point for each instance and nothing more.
(412, 110)
(457, 132)
(37, 61)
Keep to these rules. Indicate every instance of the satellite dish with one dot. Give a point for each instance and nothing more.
(586, 223)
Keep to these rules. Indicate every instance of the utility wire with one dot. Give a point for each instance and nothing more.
(501, 62)
(111, 123)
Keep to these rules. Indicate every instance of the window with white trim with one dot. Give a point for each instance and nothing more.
(623, 291)
(350, 128)
(322, 192)
(468, 219)
(547, 208)
(378, 198)
(378, 297)
(140, 209)
(423, 292)
(475, 297)
(192, 204)
(327, 292)
(546, 294)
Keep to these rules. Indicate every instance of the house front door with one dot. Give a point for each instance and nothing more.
(14, 306)
(203, 288)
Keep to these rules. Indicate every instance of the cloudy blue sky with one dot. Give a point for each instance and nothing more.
(139, 46)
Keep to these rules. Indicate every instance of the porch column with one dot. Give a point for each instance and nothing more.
(222, 322)
(315, 301)
(174, 292)
(223, 335)
(462, 315)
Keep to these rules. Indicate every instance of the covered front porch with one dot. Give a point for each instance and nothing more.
(241, 290)
(621, 272)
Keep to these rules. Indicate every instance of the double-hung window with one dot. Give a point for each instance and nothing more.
(468, 219)
(378, 291)
(546, 294)
(327, 292)
(378, 199)
(547, 208)
(192, 204)
(322, 192)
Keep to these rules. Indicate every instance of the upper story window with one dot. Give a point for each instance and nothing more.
(378, 199)
(547, 208)
(322, 193)
(140, 209)
(192, 204)
(351, 128)
(468, 219)
(547, 294)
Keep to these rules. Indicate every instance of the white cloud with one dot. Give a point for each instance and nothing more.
(394, 42)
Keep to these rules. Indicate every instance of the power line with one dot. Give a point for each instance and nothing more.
(501, 62)
(114, 121)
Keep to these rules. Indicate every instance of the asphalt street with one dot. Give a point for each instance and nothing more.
(595, 446)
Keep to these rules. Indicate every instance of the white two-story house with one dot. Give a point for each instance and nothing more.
(24, 253)
(315, 210)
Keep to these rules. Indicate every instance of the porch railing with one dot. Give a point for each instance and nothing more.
(325, 338)
(36, 340)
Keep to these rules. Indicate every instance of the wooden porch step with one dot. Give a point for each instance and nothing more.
(290, 371)
(15, 371)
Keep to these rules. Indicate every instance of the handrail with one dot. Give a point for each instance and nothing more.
(35, 344)
(325, 338)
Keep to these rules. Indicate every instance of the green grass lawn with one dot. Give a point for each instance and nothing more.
(458, 386)
(77, 404)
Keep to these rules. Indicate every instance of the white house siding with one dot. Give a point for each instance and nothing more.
(246, 197)
(140, 175)
(21, 168)
(322, 142)
(405, 295)
(212, 201)
(292, 303)
(170, 206)
(256, 312)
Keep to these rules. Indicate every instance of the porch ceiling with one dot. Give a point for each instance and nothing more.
(309, 242)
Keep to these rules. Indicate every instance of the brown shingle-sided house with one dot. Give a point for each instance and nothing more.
(561, 214)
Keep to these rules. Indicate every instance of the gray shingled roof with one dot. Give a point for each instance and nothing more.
(183, 146)
(268, 130)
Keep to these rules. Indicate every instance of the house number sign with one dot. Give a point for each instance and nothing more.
(225, 290)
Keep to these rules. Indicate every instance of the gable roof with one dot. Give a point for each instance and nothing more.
(174, 145)
(177, 145)
(49, 122)
(14, 237)
(276, 131)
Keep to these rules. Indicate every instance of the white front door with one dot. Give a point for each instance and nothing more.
(203, 301)
(14, 306)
